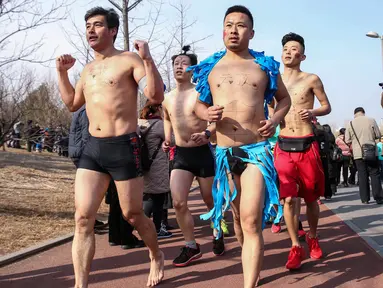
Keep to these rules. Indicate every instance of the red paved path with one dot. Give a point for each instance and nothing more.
(348, 262)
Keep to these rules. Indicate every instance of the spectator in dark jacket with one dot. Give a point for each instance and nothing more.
(78, 134)
(332, 166)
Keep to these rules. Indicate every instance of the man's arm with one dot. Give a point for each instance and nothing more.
(347, 136)
(271, 108)
(73, 99)
(212, 127)
(168, 129)
(283, 102)
(153, 86)
(201, 110)
(320, 94)
(378, 135)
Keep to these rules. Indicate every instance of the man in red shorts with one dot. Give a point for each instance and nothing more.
(297, 157)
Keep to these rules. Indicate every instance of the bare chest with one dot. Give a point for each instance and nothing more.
(104, 76)
(246, 83)
(301, 93)
(182, 106)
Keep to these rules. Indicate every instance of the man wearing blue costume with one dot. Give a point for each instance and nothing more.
(234, 88)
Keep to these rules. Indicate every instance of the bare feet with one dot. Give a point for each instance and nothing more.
(156, 269)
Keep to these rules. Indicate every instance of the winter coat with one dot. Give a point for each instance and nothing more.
(156, 180)
(346, 150)
(78, 134)
(332, 165)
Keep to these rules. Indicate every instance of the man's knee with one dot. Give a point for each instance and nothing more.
(84, 222)
(180, 205)
(290, 201)
(132, 215)
(313, 205)
(251, 224)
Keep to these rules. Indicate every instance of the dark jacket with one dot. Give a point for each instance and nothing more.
(78, 134)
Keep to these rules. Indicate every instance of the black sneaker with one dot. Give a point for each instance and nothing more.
(163, 234)
(218, 246)
(167, 227)
(99, 224)
(187, 256)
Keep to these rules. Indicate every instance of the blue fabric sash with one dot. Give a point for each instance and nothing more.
(261, 156)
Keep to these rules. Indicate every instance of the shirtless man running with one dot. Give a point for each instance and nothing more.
(297, 157)
(193, 156)
(234, 86)
(108, 85)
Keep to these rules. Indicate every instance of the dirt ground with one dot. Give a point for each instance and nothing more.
(36, 198)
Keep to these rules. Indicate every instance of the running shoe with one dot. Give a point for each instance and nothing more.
(296, 255)
(276, 228)
(219, 246)
(224, 227)
(301, 234)
(163, 233)
(314, 249)
(187, 256)
(319, 202)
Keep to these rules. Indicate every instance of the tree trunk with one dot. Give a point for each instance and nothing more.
(125, 24)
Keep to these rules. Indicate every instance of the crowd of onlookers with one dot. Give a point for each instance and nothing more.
(37, 138)
(356, 150)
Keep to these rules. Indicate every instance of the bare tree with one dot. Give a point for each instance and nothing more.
(180, 35)
(125, 8)
(13, 91)
(17, 18)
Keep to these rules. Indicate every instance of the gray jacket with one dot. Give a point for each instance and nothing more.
(156, 181)
(78, 134)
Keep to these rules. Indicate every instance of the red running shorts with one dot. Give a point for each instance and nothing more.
(300, 173)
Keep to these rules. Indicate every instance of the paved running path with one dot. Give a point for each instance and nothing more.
(348, 262)
(366, 220)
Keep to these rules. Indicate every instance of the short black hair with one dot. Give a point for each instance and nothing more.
(342, 131)
(240, 9)
(359, 109)
(293, 37)
(111, 17)
(193, 57)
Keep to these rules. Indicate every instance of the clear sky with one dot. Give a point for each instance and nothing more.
(349, 63)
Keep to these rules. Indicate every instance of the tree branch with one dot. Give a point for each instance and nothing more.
(116, 5)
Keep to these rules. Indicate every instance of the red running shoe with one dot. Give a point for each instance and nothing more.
(297, 254)
(315, 250)
(301, 234)
(276, 228)
(319, 202)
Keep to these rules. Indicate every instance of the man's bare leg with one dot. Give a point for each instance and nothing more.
(297, 213)
(313, 217)
(180, 183)
(90, 187)
(130, 194)
(235, 208)
(205, 185)
(251, 208)
(289, 212)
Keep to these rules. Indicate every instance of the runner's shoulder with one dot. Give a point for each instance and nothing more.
(168, 97)
(311, 77)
